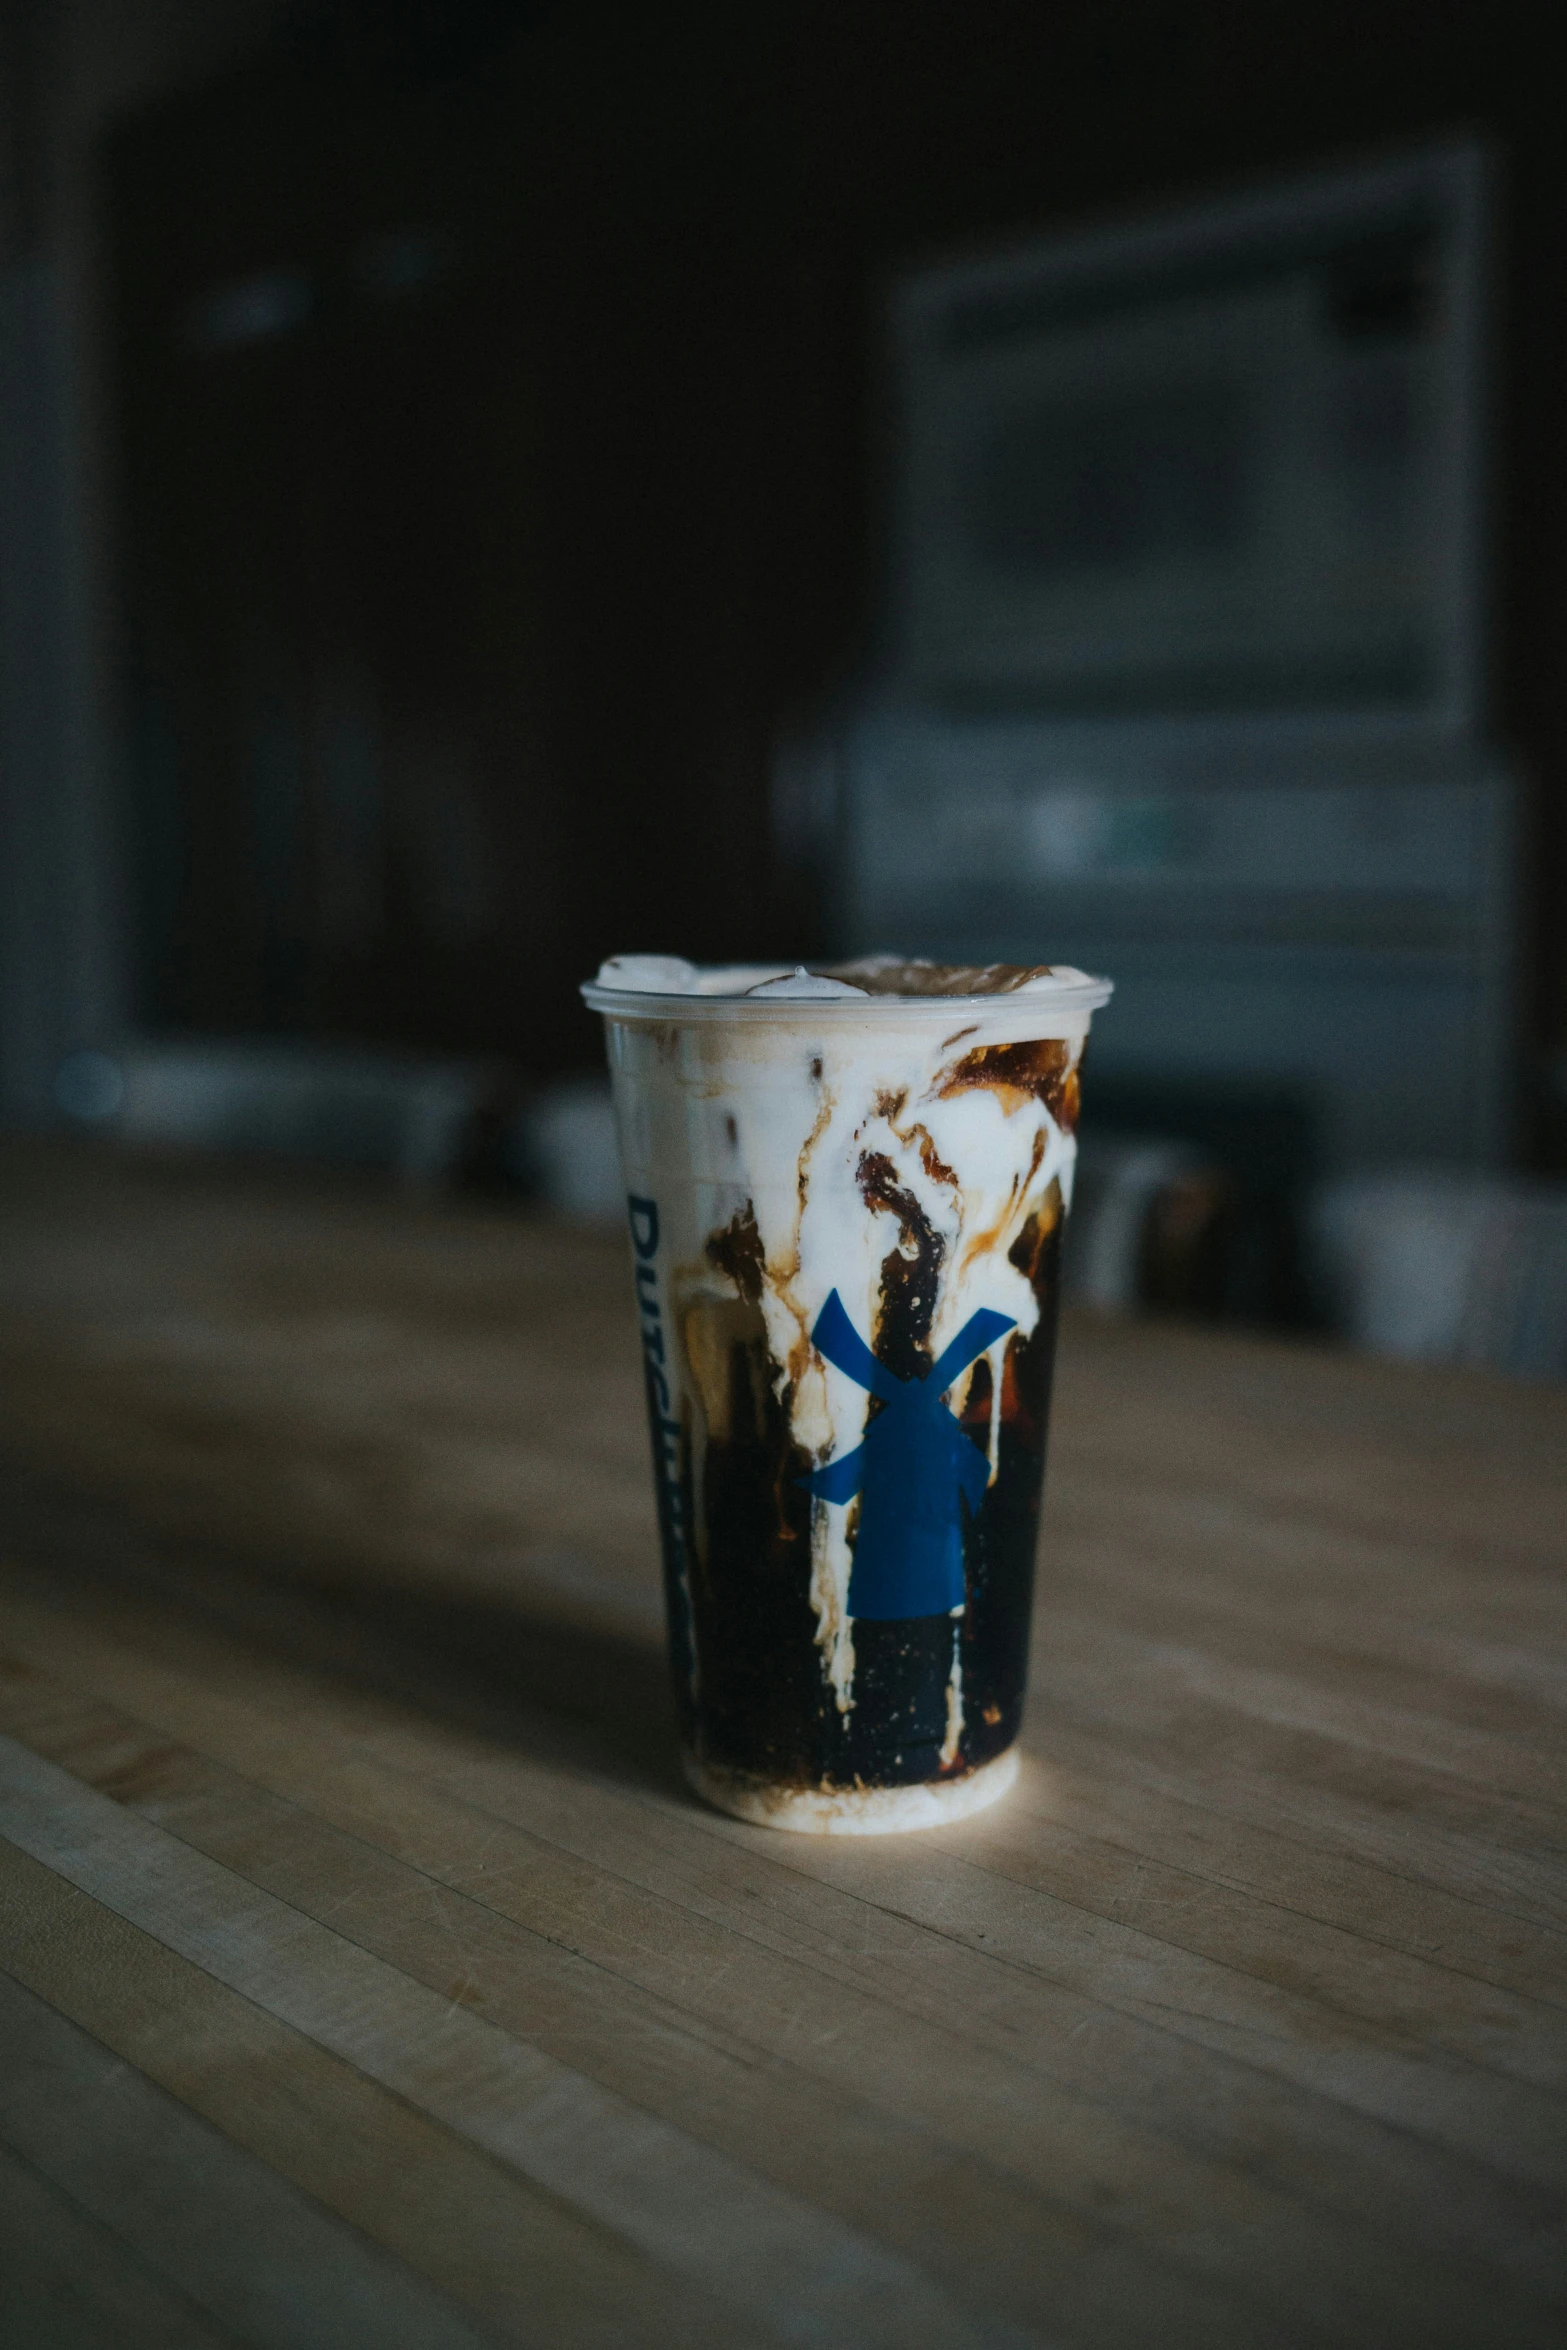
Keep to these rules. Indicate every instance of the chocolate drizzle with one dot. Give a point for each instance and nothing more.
(884, 975)
(909, 1273)
(737, 1250)
(1042, 1069)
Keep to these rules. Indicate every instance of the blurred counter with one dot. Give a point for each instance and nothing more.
(369, 1976)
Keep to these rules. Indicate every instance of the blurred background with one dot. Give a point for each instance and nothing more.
(484, 486)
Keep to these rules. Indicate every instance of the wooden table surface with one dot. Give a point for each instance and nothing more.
(369, 1978)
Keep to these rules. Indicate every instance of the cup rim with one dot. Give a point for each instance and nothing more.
(1073, 999)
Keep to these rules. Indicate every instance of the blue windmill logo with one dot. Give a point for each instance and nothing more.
(913, 1470)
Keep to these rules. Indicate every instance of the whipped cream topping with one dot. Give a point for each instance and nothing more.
(878, 975)
(800, 985)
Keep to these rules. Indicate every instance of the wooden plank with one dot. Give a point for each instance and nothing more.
(782, 2265)
(68, 2284)
(957, 2215)
(1418, 1823)
(372, 1358)
(225, 2233)
(1364, 1621)
(1155, 1814)
(1501, 1769)
(1328, 2159)
(1336, 1416)
(517, 2258)
(979, 2229)
(1109, 2288)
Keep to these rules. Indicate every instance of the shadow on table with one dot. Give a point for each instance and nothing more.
(553, 1690)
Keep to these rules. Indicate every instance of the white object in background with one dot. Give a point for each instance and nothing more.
(1441, 1267)
(570, 1144)
(338, 1107)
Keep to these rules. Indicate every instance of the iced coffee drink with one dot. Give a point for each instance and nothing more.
(845, 1192)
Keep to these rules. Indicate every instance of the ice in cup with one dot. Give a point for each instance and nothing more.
(846, 1191)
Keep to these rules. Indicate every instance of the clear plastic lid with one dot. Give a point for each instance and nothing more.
(667, 988)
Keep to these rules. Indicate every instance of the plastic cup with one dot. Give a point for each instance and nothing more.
(846, 1219)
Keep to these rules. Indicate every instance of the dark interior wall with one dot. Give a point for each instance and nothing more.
(464, 615)
(459, 606)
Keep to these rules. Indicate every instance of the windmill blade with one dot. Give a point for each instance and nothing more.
(980, 1331)
(840, 1480)
(836, 1339)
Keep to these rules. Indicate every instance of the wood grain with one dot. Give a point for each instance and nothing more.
(370, 1976)
(208, 2219)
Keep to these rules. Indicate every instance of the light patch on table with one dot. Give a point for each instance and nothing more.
(800, 2272)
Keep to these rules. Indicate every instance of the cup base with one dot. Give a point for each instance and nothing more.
(851, 1811)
